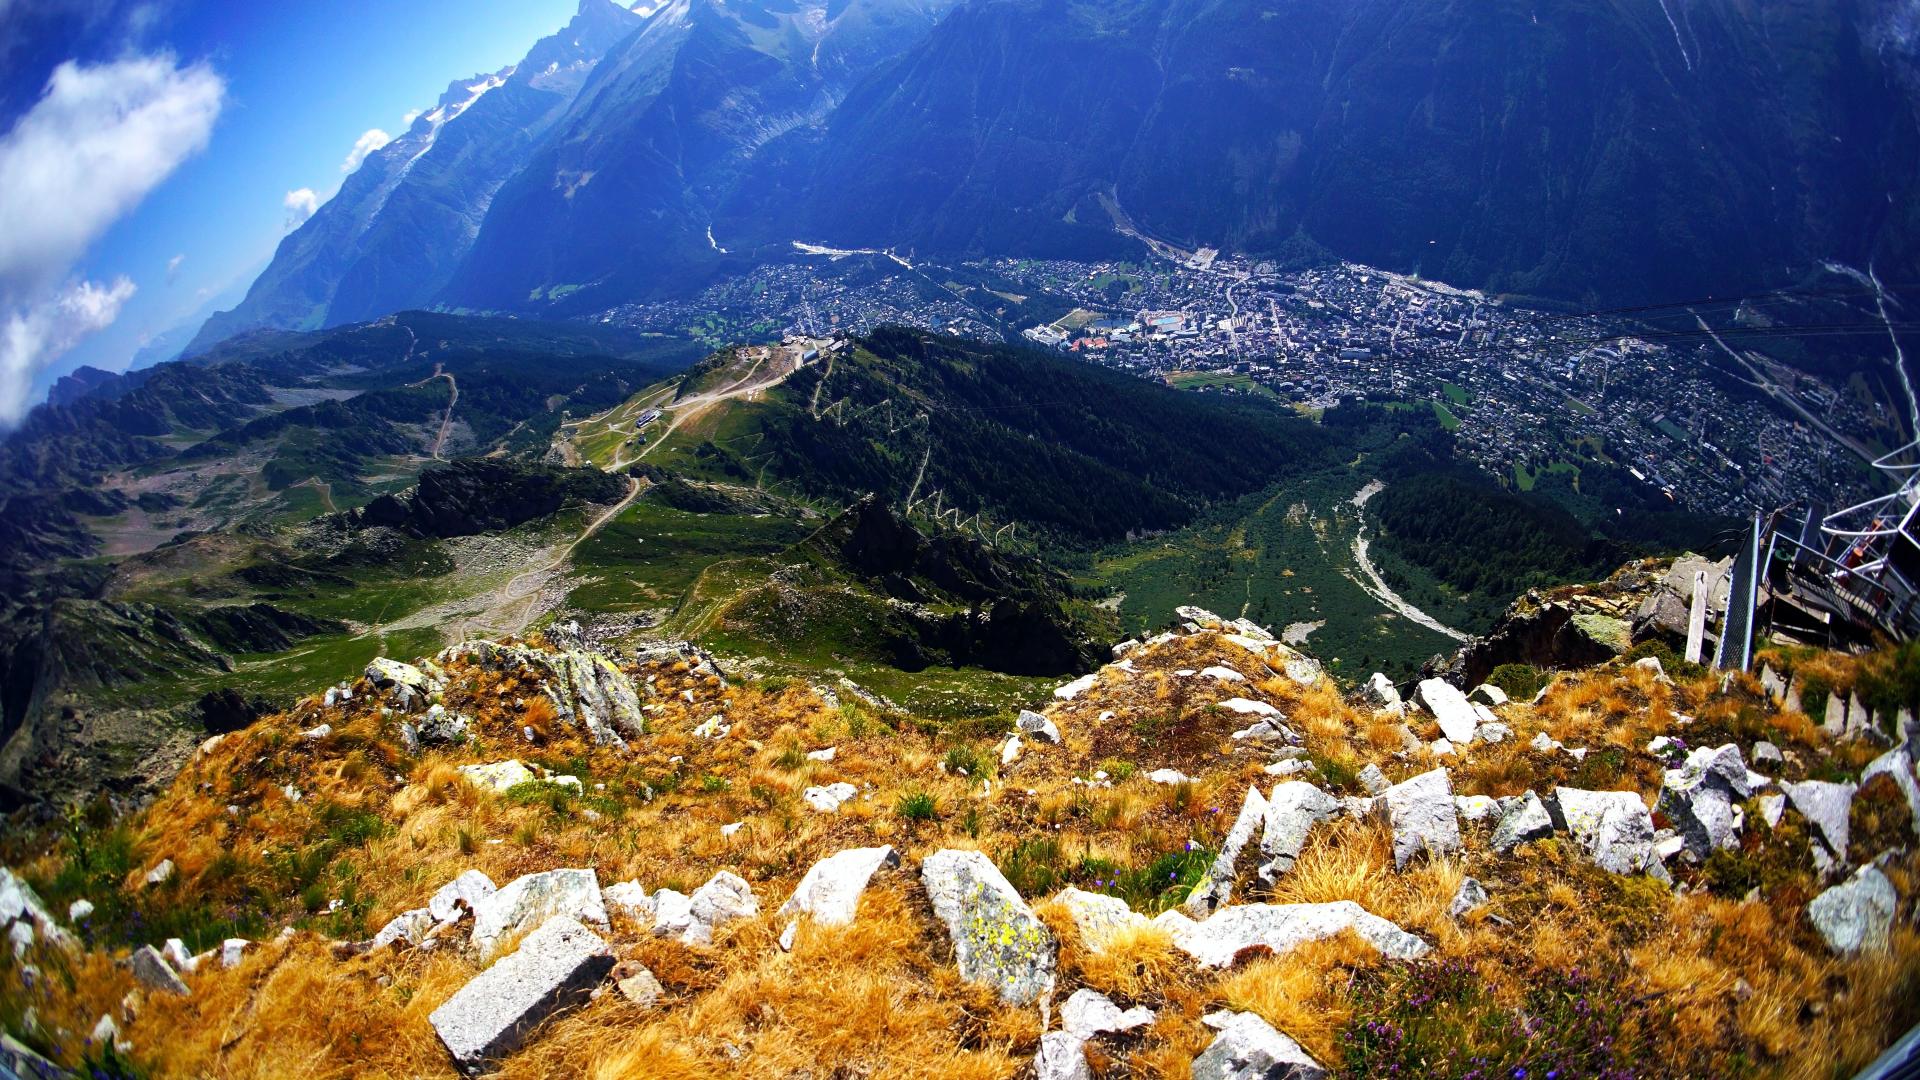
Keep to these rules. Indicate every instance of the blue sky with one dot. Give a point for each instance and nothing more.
(150, 147)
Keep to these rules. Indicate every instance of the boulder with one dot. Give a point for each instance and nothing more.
(21, 906)
(1281, 927)
(1250, 707)
(465, 891)
(630, 898)
(1033, 725)
(152, 969)
(1069, 691)
(1421, 813)
(1475, 807)
(1526, 819)
(1471, 894)
(1765, 753)
(1169, 777)
(725, 897)
(1293, 808)
(1898, 764)
(1489, 695)
(637, 983)
(499, 776)
(233, 950)
(996, 938)
(1379, 693)
(1374, 780)
(531, 900)
(827, 799)
(1217, 888)
(1450, 708)
(672, 913)
(408, 685)
(1614, 827)
(1828, 806)
(442, 728)
(555, 967)
(1857, 914)
(1702, 796)
(1098, 917)
(1248, 1048)
(1062, 1056)
(1088, 1013)
(408, 928)
(830, 892)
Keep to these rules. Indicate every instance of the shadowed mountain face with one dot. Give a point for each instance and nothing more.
(1593, 150)
(405, 220)
(1594, 147)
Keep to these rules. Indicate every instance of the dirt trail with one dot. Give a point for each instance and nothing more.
(1375, 585)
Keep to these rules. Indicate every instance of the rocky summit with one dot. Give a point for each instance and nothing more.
(623, 861)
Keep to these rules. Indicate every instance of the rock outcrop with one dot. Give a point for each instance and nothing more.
(555, 967)
(996, 938)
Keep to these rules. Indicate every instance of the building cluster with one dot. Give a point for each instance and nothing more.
(1531, 395)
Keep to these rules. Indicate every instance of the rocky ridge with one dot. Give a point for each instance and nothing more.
(1601, 785)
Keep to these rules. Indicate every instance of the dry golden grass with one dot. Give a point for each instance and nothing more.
(1717, 976)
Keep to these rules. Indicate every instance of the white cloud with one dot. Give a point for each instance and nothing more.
(405, 121)
(173, 268)
(88, 151)
(99, 139)
(366, 144)
(301, 204)
(35, 334)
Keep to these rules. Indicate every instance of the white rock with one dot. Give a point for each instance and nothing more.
(1099, 918)
(1489, 695)
(555, 967)
(1249, 707)
(1217, 889)
(1475, 807)
(410, 927)
(996, 938)
(1858, 914)
(79, 910)
(152, 969)
(1248, 1048)
(827, 799)
(1526, 819)
(499, 776)
(1614, 827)
(1037, 726)
(1543, 742)
(463, 892)
(1010, 751)
(1471, 894)
(1380, 692)
(1088, 1013)
(161, 873)
(830, 892)
(317, 733)
(1765, 753)
(1074, 689)
(1224, 674)
(1701, 796)
(1062, 1056)
(1771, 807)
(1282, 927)
(628, 897)
(672, 913)
(531, 900)
(1898, 764)
(822, 755)
(1374, 780)
(1441, 748)
(233, 950)
(1828, 806)
(1421, 812)
(724, 898)
(714, 727)
(1170, 777)
(1293, 808)
(1450, 708)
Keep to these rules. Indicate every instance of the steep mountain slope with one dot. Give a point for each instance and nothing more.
(403, 222)
(1067, 454)
(1594, 147)
(622, 197)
